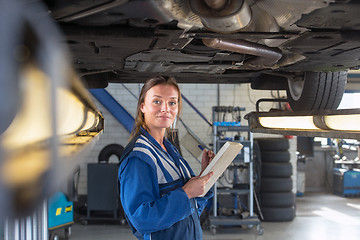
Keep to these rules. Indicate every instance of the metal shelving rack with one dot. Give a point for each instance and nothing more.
(252, 220)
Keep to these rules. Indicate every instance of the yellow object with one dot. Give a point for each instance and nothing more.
(68, 209)
(58, 211)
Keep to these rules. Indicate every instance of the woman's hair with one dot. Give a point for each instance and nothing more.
(158, 80)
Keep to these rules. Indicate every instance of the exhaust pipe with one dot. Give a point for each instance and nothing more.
(266, 56)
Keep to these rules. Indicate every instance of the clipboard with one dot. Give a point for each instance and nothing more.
(220, 162)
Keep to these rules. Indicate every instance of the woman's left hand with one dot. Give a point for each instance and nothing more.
(207, 156)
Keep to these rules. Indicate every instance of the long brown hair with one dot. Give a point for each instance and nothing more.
(158, 80)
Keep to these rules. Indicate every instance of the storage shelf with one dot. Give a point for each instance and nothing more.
(233, 221)
(232, 128)
(245, 157)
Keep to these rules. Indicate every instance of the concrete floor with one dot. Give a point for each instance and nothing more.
(319, 216)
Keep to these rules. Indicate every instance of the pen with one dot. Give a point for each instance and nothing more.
(201, 147)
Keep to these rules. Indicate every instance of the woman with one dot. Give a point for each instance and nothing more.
(158, 190)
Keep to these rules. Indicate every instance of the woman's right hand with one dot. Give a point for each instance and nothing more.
(196, 185)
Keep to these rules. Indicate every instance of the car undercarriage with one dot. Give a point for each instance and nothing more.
(271, 44)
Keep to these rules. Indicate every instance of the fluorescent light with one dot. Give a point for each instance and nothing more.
(91, 121)
(343, 122)
(33, 120)
(33, 123)
(27, 141)
(70, 112)
(288, 122)
(335, 122)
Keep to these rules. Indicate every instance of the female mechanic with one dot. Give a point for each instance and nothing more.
(158, 189)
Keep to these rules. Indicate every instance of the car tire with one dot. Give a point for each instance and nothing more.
(317, 91)
(108, 151)
(275, 156)
(276, 169)
(273, 144)
(278, 214)
(276, 184)
(277, 199)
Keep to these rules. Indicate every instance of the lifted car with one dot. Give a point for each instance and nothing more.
(302, 46)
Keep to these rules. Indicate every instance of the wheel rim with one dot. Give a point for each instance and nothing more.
(296, 86)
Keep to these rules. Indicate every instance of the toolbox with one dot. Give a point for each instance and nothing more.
(60, 214)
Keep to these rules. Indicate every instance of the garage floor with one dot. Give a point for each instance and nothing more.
(319, 216)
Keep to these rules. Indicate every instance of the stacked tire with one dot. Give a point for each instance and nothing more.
(277, 201)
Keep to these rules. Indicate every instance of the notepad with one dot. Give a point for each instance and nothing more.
(220, 162)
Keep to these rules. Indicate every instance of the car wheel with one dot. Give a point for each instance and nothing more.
(316, 90)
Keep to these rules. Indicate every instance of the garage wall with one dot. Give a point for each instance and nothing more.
(203, 96)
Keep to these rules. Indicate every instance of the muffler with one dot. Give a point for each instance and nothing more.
(223, 16)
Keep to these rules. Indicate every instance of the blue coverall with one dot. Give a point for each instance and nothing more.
(150, 186)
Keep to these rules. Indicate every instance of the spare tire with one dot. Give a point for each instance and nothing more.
(278, 214)
(273, 144)
(276, 169)
(277, 199)
(275, 156)
(108, 151)
(276, 184)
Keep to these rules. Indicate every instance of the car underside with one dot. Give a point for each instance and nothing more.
(293, 45)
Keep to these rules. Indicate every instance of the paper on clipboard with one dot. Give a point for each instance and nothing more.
(220, 162)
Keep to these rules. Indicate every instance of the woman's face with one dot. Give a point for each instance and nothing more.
(160, 106)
